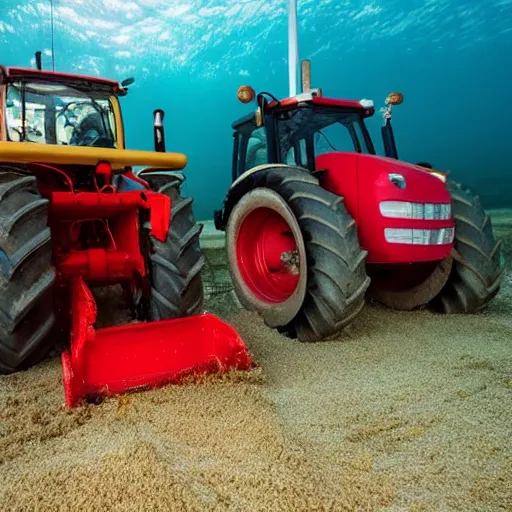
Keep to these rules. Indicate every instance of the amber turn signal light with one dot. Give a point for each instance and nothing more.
(395, 98)
(245, 93)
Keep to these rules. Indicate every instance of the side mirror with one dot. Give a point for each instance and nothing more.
(388, 136)
(127, 81)
(9, 103)
(394, 98)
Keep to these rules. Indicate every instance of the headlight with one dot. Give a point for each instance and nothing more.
(419, 236)
(421, 211)
(396, 209)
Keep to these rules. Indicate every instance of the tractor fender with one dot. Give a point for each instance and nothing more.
(341, 177)
(246, 182)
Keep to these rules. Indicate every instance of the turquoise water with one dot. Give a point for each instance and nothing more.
(451, 59)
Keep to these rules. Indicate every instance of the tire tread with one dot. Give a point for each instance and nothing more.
(337, 279)
(478, 267)
(27, 276)
(177, 263)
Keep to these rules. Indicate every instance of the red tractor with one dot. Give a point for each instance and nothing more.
(315, 221)
(74, 217)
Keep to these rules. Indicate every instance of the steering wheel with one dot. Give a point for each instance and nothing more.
(64, 111)
(77, 104)
(93, 138)
(92, 130)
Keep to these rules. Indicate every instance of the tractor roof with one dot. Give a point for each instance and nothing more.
(9, 74)
(364, 107)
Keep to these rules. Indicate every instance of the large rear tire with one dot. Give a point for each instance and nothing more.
(294, 255)
(478, 265)
(177, 263)
(26, 274)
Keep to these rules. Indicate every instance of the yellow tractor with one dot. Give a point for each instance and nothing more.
(73, 215)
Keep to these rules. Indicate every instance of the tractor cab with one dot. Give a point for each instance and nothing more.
(45, 107)
(297, 130)
(328, 137)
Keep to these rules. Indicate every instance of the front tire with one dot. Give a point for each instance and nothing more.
(294, 255)
(177, 263)
(27, 276)
(478, 266)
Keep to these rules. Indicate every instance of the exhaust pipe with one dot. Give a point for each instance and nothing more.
(158, 130)
(39, 63)
(306, 75)
(306, 79)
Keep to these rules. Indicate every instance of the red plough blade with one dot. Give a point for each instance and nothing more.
(114, 360)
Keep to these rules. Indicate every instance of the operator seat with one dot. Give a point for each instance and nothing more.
(256, 153)
(91, 132)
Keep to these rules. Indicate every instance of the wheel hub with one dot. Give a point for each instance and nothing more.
(267, 254)
(290, 260)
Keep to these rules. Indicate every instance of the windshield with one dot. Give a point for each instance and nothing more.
(329, 129)
(48, 113)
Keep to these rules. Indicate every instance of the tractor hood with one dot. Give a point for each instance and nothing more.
(403, 181)
(363, 178)
(404, 211)
(385, 194)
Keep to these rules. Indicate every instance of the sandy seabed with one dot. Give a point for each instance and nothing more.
(408, 411)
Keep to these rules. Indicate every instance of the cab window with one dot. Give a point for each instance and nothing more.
(335, 137)
(297, 154)
(48, 113)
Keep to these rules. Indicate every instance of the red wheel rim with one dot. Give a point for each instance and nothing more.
(267, 256)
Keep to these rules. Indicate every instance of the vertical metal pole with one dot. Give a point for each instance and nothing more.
(293, 46)
(53, 35)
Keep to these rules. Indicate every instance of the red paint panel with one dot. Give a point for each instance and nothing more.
(160, 214)
(113, 360)
(363, 180)
(341, 178)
